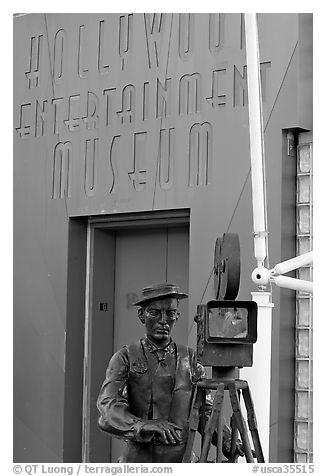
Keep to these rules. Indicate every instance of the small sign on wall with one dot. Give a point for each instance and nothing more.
(103, 306)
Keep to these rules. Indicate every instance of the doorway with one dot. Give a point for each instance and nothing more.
(124, 256)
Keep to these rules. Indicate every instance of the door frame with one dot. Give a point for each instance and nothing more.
(100, 255)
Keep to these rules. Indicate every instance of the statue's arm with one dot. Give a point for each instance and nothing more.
(115, 417)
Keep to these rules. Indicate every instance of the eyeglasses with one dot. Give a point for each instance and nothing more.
(171, 314)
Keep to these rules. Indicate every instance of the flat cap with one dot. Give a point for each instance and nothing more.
(158, 291)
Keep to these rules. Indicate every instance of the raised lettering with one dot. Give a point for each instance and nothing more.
(109, 112)
(91, 159)
(57, 114)
(103, 69)
(58, 55)
(41, 118)
(125, 37)
(189, 93)
(240, 87)
(33, 75)
(145, 101)
(242, 32)
(200, 154)
(263, 78)
(24, 128)
(113, 163)
(82, 73)
(61, 177)
(128, 100)
(163, 98)
(216, 32)
(166, 158)
(154, 28)
(186, 35)
(73, 113)
(216, 99)
(138, 174)
(91, 119)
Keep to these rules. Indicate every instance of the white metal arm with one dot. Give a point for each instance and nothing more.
(292, 283)
(263, 276)
(294, 263)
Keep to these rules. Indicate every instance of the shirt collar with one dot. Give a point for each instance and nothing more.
(169, 347)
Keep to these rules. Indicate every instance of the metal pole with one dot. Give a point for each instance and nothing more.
(256, 137)
(260, 374)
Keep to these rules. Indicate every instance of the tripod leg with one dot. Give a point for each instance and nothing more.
(240, 423)
(252, 423)
(212, 425)
(219, 433)
(202, 418)
(193, 424)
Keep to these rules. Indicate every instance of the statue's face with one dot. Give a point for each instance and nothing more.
(159, 318)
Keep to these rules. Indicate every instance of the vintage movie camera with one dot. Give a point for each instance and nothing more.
(226, 328)
(226, 332)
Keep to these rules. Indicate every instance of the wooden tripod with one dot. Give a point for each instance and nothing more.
(235, 388)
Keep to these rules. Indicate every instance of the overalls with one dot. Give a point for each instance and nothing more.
(159, 389)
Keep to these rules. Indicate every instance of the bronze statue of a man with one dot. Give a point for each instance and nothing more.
(146, 395)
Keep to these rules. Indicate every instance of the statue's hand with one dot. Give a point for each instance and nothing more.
(164, 431)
